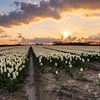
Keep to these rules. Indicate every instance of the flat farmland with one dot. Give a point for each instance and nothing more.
(50, 73)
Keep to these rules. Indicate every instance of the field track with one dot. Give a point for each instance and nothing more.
(30, 86)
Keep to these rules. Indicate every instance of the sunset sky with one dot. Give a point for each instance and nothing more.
(24, 21)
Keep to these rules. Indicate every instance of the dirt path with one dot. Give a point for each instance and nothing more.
(30, 86)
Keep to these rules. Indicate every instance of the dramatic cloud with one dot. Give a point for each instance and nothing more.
(29, 12)
(75, 4)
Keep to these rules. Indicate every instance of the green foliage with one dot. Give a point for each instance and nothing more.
(81, 77)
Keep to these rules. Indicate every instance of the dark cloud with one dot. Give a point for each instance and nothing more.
(17, 3)
(28, 12)
(75, 4)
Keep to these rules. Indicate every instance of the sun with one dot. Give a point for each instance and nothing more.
(65, 34)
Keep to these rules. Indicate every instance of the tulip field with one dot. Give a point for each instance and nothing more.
(14, 61)
(68, 72)
(66, 57)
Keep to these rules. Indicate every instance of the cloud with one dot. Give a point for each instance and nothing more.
(20, 36)
(38, 40)
(2, 30)
(75, 4)
(45, 40)
(93, 38)
(22, 40)
(25, 41)
(51, 40)
(14, 40)
(29, 12)
(4, 36)
(92, 14)
(3, 33)
(70, 38)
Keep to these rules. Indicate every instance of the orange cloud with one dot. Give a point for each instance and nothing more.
(2, 30)
(92, 14)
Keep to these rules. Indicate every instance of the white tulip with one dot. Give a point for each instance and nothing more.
(81, 69)
(41, 64)
(56, 64)
(70, 66)
(57, 72)
(8, 74)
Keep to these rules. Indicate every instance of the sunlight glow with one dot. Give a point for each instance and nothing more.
(65, 34)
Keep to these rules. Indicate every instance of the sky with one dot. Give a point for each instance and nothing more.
(29, 21)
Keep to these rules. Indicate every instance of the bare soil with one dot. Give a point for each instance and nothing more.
(69, 88)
